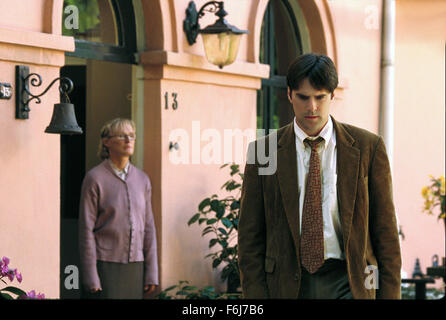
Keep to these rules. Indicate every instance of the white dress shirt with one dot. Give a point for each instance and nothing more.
(120, 173)
(327, 154)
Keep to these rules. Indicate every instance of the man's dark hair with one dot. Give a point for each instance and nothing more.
(318, 68)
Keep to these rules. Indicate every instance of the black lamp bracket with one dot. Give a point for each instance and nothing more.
(217, 8)
(24, 95)
(190, 24)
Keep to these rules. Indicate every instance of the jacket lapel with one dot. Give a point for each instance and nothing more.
(348, 159)
(287, 177)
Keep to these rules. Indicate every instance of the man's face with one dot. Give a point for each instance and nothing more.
(311, 107)
(121, 143)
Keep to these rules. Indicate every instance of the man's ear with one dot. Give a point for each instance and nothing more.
(289, 94)
(332, 95)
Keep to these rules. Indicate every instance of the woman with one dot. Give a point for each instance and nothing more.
(117, 239)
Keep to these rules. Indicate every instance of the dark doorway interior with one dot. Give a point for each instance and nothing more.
(72, 168)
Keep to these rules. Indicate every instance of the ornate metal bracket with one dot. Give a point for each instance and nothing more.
(24, 96)
(190, 24)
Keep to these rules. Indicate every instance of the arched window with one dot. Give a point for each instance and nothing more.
(280, 43)
(103, 29)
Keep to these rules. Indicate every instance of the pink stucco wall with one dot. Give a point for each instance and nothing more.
(419, 140)
(30, 175)
(419, 124)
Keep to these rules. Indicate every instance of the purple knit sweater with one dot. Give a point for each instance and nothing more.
(116, 222)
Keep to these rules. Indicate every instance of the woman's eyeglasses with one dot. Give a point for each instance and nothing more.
(124, 137)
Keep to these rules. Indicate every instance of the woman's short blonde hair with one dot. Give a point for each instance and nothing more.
(109, 129)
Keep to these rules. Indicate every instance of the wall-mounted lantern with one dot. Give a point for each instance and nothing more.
(221, 40)
(63, 120)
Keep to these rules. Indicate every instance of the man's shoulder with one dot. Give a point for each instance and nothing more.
(360, 135)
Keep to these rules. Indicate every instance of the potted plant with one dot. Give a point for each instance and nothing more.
(220, 217)
(434, 197)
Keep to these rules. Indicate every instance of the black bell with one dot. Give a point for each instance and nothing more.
(63, 120)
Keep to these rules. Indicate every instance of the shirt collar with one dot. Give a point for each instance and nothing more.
(125, 170)
(326, 132)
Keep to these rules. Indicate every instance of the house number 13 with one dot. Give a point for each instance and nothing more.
(174, 103)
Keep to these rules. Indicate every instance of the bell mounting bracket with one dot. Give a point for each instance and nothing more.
(24, 95)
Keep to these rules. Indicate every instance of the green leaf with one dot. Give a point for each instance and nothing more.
(215, 204)
(209, 289)
(215, 263)
(170, 288)
(200, 221)
(229, 185)
(14, 290)
(203, 204)
(223, 231)
(237, 186)
(225, 165)
(234, 169)
(235, 205)
(226, 222)
(193, 219)
(211, 221)
(181, 293)
(205, 232)
(224, 254)
(212, 242)
(6, 296)
(162, 296)
(220, 211)
(190, 288)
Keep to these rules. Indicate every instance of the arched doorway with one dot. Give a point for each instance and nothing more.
(102, 68)
(282, 39)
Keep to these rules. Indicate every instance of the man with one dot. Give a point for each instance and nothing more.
(117, 237)
(323, 226)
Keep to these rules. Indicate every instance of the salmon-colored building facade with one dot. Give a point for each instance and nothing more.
(138, 64)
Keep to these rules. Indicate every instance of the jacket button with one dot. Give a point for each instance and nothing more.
(296, 276)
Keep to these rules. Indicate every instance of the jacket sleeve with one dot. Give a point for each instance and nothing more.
(383, 226)
(150, 247)
(251, 235)
(88, 211)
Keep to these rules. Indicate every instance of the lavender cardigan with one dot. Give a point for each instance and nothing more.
(116, 222)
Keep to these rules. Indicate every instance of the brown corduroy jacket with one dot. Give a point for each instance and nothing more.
(269, 219)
